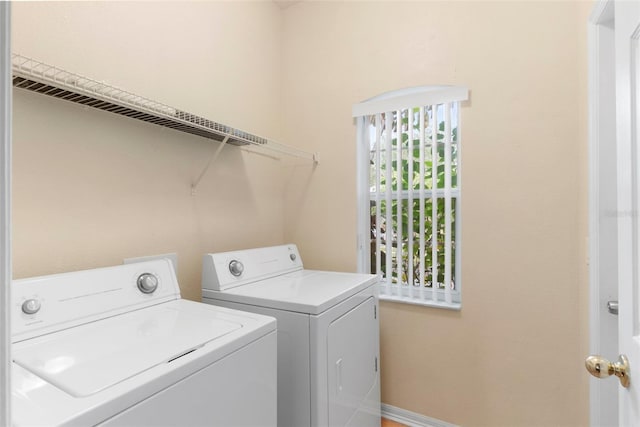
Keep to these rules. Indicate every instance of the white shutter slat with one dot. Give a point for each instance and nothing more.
(422, 183)
(387, 186)
(399, 200)
(378, 210)
(434, 203)
(447, 202)
(410, 283)
(458, 214)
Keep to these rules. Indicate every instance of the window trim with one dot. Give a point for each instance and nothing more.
(400, 100)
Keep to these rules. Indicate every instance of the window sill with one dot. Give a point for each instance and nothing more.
(456, 306)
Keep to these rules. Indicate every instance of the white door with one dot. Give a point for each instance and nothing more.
(615, 87)
(603, 224)
(627, 43)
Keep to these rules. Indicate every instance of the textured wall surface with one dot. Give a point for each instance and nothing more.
(524, 210)
(92, 188)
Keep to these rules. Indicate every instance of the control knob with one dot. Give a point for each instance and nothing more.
(236, 267)
(31, 306)
(147, 283)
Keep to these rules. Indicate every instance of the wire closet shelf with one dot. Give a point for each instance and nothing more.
(36, 76)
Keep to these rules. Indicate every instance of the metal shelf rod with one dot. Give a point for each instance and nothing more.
(209, 163)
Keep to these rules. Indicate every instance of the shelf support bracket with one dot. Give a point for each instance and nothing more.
(211, 161)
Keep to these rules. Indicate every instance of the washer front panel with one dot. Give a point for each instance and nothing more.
(36, 401)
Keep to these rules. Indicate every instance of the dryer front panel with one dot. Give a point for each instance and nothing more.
(352, 361)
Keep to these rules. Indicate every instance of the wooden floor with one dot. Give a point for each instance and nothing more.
(389, 423)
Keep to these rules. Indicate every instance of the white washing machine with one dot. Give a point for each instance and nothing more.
(328, 332)
(118, 346)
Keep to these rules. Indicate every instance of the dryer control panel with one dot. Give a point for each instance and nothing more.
(226, 270)
(47, 304)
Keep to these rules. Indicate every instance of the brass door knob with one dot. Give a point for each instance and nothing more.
(600, 367)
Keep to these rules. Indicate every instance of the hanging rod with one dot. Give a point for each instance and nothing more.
(45, 79)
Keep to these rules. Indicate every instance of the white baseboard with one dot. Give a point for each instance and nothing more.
(411, 419)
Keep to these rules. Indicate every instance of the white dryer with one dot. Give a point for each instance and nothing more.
(328, 332)
(118, 346)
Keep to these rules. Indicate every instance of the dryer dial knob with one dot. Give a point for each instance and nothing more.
(236, 267)
(31, 306)
(147, 283)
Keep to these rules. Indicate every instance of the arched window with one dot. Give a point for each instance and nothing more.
(409, 191)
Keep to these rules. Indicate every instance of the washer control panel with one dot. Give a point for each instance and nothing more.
(226, 270)
(48, 303)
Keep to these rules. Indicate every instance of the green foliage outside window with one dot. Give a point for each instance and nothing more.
(411, 255)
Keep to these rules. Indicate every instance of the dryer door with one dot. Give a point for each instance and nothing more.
(352, 359)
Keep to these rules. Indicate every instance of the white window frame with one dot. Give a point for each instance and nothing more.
(395, 101)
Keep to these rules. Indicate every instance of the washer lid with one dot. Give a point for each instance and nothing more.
(89, 358)
(304, 291)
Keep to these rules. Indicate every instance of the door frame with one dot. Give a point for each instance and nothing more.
(6, 89)
(599, 26)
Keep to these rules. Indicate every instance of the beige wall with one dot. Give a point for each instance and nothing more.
(513, 355)
(91, 188)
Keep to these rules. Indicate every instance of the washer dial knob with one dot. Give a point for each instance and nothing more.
(147, 283)
(31, 306)
(236, 267)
